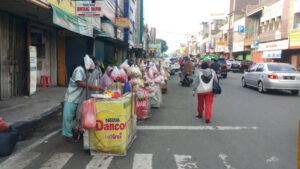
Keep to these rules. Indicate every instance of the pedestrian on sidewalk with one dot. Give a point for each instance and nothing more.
(72, 98)
(204, 89)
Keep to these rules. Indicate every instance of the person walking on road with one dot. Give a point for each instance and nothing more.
(203, 88)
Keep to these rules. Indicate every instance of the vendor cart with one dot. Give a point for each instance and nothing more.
(115, 128)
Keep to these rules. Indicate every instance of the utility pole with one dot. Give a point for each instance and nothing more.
(116, 16)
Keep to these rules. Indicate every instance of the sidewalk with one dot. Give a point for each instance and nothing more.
(20, 110)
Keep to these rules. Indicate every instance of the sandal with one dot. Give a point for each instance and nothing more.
(71, 140)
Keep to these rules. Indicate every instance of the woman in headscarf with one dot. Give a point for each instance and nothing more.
(106, 79)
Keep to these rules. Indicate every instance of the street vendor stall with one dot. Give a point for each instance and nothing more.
(115, 126)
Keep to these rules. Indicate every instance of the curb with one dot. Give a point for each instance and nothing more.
(26, 127)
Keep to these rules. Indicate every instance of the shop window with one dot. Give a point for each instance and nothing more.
(271, 26)
(37, 40)
(266, 28)
(297, 21)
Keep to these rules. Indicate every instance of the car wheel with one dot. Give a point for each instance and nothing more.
(261, 87)
(244, 82)
(295, 92)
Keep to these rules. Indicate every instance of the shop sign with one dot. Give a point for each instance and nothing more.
(295, 40)
(33, 69)
(275, 54)
(277, 45)
(42, 3)
(154, 46)
(122, 22)
(72, 23)
(66, 5)
(272, 11)
(138, 46)
(238, 47)
(87, 9)
(221, 43)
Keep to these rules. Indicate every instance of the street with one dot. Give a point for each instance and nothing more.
(248, 130)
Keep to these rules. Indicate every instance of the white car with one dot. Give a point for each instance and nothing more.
(272, 76)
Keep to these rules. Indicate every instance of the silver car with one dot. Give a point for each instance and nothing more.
(272, 76)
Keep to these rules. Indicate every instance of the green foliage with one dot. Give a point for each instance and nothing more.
(164, 45)
(112, 62)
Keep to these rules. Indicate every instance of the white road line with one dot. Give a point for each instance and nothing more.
(223, 157)
(57, 161)
(100, 162)
(185, 162)
(221, 128)
(21, 162)
(142, 161)
(272, 159)
(24, 152)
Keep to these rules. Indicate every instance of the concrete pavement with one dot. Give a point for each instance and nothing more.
(249, 130)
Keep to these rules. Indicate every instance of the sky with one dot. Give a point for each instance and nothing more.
(176, 18)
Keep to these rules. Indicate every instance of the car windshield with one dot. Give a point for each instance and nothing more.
(222, 61)
(173, 60)
(281, 68)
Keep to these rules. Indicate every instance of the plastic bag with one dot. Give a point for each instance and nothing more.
(134, 72)
(88, 63)
(88, 116)
(115, 73)
(3, 125)
(122, 77)
(8, 140)
(125, 66)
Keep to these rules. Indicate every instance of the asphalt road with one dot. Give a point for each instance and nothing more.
(248, 130)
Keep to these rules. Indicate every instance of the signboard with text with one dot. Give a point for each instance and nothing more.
(277, 45)
(122, 22)
(87, 9)
(276, 54)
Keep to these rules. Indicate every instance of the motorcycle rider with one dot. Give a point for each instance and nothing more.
(188, 67)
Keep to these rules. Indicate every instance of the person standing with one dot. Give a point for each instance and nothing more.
(203, 88)
(72, 98)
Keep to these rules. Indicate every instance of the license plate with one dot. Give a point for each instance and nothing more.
(289, 77)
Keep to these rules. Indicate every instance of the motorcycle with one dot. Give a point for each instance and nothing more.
(187, 80)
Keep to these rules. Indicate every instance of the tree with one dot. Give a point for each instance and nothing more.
(164, 45)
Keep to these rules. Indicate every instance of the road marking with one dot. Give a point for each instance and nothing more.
(223, 157)
(21, 162)
(24, 153)
(100, 162)
(221, 128)
(142, 161)
(185, 162)
(272, 159)
(57, 161)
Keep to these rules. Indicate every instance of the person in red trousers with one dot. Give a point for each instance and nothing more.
(203, 88)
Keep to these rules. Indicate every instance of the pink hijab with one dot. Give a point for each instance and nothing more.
(105, 80)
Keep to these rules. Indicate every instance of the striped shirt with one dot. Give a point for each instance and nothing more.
(74, 92)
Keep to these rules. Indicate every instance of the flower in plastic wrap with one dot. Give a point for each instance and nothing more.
(134, 71)
(125, 66)
(122, 76)
(159, 80)
(141, 95)
(134, 82)
(153, 72)
(115, 73)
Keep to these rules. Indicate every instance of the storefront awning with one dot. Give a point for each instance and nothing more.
(71, 23)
